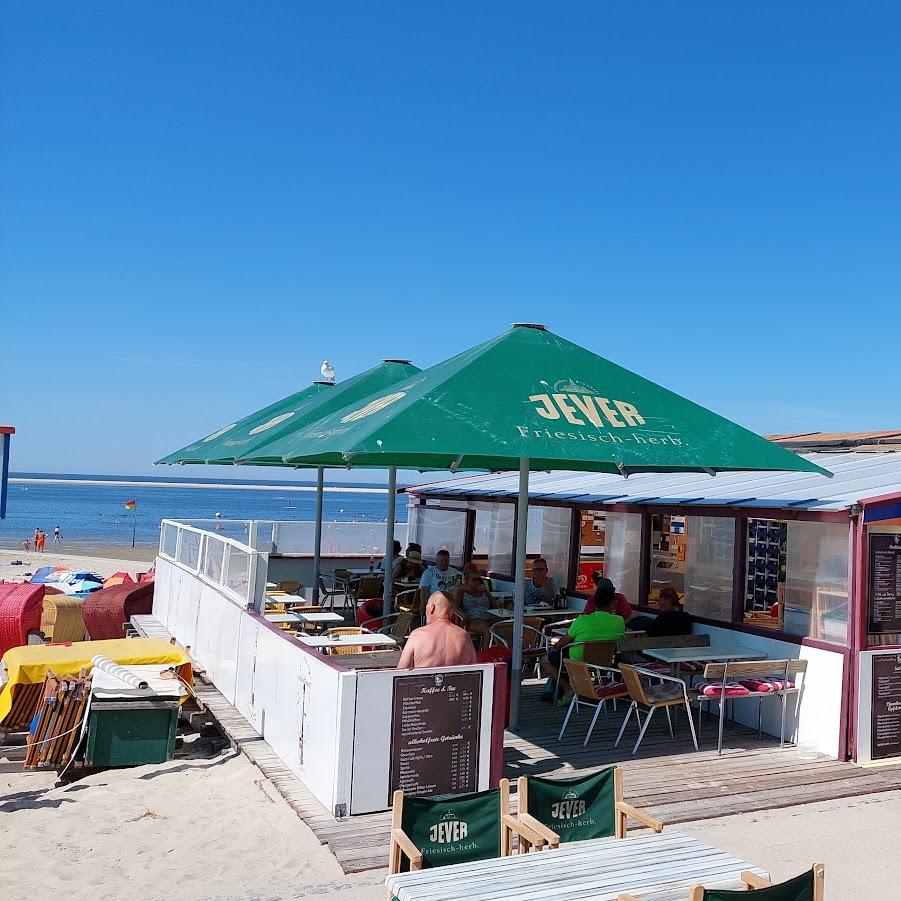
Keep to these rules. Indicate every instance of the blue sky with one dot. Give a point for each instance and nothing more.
(202, 201)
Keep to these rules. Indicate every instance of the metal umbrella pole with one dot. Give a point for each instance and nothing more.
(317, 538)
(522, 522)
(388, 560)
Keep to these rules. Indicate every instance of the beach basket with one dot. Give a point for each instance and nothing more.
(106, 611)
(20, 613)
(62, 618)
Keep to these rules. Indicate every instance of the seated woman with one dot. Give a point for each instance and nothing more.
(474, 601)
(672, 619)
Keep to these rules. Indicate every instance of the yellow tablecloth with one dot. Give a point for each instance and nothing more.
(29, 663)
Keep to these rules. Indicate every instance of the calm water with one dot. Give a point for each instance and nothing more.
(95, 514)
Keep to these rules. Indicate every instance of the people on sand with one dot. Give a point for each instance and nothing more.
(540, 589)
(474, 601)
(600, 625)
(672, 619)
(440, 642)
(57, 535)
(39, 541)
(439, 577)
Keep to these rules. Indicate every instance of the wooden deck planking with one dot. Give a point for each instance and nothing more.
(666, 777)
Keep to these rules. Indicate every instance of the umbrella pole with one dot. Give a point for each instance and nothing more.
(388, 561)
(317, 538)
(522, 522)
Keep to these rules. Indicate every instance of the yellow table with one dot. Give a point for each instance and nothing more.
(29, 664)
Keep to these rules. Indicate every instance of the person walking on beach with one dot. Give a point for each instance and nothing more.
(40, 541)
(57, 535)
(37, 533)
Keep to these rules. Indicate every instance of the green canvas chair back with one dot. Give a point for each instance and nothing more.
(577, 808)
(454, 828)
(801, 888)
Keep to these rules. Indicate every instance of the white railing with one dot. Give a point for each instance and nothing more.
(296, 537)
(230, 565)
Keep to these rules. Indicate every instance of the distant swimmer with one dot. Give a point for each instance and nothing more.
(57, 535)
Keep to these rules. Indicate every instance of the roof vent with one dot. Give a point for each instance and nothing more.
(534, 325)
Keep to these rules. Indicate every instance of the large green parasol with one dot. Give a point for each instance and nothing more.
(278, 420)
(528, 400)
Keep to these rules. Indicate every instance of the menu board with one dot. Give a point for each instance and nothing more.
(435, 724)
(884, 588)
(885, 740)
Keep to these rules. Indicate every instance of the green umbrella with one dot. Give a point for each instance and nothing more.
(278, 420)
(526, 400)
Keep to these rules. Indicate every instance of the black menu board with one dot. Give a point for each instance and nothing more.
(885, 739)
(435, 723)
(884, 584)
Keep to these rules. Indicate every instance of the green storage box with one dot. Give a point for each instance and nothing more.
(131, 732)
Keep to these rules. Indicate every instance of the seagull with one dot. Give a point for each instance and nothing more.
(327, 372)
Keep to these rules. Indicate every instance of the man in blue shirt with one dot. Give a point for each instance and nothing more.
(440, 577)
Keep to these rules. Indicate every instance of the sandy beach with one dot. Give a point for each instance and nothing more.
(104, 560)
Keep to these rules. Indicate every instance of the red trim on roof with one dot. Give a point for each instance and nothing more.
(7, 430)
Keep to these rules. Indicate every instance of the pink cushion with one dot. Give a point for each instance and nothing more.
(617, 690)
(769, 684)
(715, 689)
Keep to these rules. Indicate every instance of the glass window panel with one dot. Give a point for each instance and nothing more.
(189, 548)
(169, 540)
(709, 559)
(436, 529)
(591, 548)
(237, 571)
(493, 539)
(816, 581)
(556, 524)
(213, 556)
(622, 552)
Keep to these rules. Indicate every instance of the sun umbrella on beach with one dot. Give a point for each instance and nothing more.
(528, 400)
(245, 436)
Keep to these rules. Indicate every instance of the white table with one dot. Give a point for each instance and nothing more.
(369, 639)
(663, 866)
(280, 618)
(321, 617)
(564, 613)
(711, 653)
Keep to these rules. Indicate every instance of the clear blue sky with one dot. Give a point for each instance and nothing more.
(201, 201)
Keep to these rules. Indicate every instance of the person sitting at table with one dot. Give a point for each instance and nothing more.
(396, 558)
(441, 642)
(440, 577)
(672, 619)
(602, 624)
(413, 554)
(621, 605)
(540, 589)
(474, 601)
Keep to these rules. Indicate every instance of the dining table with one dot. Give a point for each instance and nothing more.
(319, 617)
(367, 639)
(282, 618)
(660, 866)
(702, 654)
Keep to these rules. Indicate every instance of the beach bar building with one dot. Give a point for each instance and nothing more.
(794, 565)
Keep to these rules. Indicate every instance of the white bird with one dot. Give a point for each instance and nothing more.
(327, 372)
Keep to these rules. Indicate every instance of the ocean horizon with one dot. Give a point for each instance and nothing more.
(90, 508)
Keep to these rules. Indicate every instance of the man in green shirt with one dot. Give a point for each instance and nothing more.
(602, 625)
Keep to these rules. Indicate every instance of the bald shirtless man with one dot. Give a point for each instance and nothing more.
(441, 642)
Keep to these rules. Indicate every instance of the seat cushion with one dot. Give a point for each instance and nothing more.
(769, 684)
(616, 690)
(666, 692)
(715, 689)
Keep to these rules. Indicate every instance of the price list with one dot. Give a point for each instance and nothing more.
(435, 724)
(884, 593)
(886, 723)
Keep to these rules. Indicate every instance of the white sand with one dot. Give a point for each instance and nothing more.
(189, 829)
(102, 565)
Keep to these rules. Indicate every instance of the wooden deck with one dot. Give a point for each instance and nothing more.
(668, 778)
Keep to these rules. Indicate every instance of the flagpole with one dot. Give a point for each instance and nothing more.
(134, 526)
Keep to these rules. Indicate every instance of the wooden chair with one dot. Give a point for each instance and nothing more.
(671, 692)
(777, 675)
(810, 886)
(290, 586)
(599, 653)
(578, 808)
(398, 625)
(592, 686)
(433, 832)
(366, 587)
(534, 641)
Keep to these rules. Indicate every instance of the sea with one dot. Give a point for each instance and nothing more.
(90, 509)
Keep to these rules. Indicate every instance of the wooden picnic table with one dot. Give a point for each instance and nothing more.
(660, 866)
